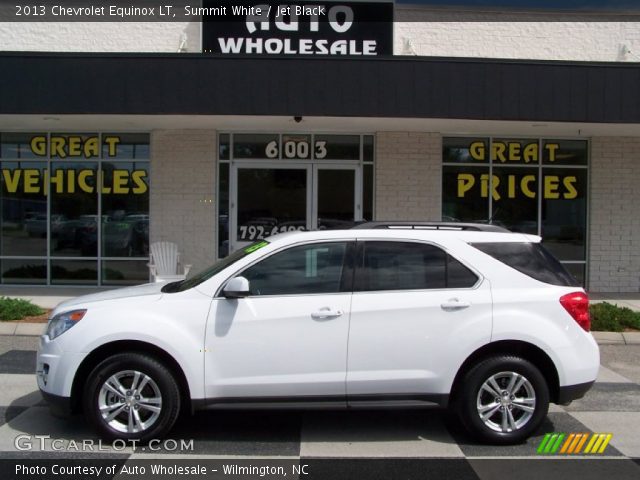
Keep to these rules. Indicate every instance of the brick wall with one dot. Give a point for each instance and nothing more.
(408, 176)
(520, 35)
(169, 37)
(183, 183)
(615, 219)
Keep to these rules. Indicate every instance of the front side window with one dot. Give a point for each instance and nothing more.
(409, 266)
(308, 269)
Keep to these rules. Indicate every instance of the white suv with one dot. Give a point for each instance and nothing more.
(472, 317)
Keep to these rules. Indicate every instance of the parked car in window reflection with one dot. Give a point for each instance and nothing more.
(126, 238)
(71, 233)
(37, 225)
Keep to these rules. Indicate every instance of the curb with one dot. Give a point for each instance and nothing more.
(617, 338)
(603, 338)
(26, 329)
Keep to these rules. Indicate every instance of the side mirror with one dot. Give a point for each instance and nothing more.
(237, 287)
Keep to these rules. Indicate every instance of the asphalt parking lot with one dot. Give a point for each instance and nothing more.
(383, 438)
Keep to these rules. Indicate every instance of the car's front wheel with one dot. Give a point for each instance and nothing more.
(503, 399)
(132, 396)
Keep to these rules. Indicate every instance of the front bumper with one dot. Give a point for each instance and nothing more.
(55, 368)
(568, 393)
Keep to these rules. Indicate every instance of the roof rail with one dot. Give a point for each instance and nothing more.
(455, 226)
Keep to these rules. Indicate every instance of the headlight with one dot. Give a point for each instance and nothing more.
(63, 322)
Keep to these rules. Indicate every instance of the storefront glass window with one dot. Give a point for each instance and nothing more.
(74, 272)
(296, 146)
(125, 146)
(223, 210)
(27, 271)
(121, 272)
(367, 192)
(24, 209)
(465, 191)
(564, 223)
(74, 209)
(536, 186)
(72, 146)
(24, 146)
(255, 145)
(125, 209)
(280, 182)
(72, 202)
(466, 150)
(367, 148)
(565, 152)
(223, 146)
(513, 194)
(337, 147)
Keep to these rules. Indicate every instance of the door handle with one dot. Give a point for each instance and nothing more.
(454, 304)
(326, 313)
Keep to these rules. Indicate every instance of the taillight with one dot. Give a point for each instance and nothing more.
(577, 304)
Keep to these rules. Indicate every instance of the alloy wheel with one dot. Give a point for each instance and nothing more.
(506, 402)
(130, 401)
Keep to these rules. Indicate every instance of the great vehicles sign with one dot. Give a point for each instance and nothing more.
(299, 28)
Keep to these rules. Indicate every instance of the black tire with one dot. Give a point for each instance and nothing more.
(521, 423)
(162, 385)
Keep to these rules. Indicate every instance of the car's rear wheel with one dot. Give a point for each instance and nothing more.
(132, 396)
(502, 399)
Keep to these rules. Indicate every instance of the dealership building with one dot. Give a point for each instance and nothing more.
(117, 134)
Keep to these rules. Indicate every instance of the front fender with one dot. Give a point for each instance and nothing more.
(176, 325)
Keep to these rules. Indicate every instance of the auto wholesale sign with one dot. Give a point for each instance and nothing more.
(318, 28)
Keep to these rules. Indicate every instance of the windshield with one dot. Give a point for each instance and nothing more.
(214, 269)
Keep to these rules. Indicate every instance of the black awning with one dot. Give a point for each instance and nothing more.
(406, 87)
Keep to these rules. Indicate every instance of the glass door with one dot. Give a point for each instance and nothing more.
(273, 198)
(268, 199)
(337, 196)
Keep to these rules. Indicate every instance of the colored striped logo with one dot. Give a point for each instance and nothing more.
(574, 443)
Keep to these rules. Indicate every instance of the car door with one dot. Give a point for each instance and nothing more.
(415, 311)
(287, 340)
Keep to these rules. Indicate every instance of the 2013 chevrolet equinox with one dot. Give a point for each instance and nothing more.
(484, 321)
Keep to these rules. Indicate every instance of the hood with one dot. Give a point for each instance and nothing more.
(137, 291)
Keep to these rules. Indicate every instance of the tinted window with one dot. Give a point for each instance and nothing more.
(532, 259)
(315, 268)
(214, 269)
(459, 276)
(410, 266)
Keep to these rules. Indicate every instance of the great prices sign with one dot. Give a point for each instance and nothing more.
(558, 179)
(308, 28)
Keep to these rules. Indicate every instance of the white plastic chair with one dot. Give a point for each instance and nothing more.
(165, 263)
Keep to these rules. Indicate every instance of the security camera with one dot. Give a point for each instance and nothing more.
(297, 118)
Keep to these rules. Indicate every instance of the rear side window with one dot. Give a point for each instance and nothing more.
(532, 259)
(409, 266)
